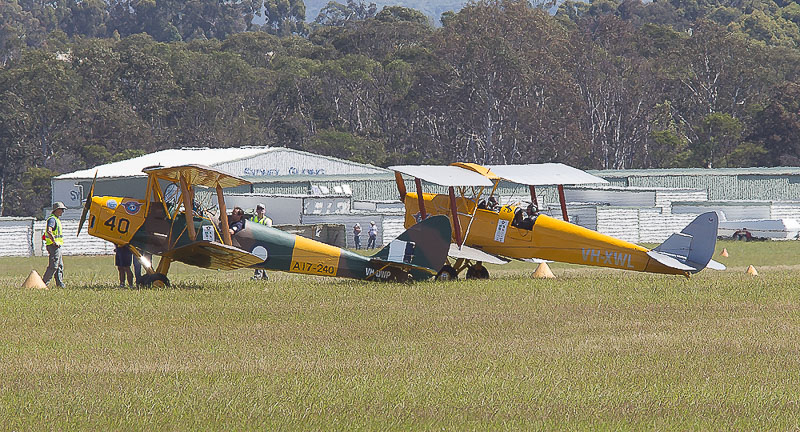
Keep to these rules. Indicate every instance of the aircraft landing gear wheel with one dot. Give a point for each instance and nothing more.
(447, 273)
(477, 272)
(156, 279)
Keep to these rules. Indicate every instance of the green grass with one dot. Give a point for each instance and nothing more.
(592, 349)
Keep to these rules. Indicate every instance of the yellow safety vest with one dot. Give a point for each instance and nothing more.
(56, 232)
(262, 221)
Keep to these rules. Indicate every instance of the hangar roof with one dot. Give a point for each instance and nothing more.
(212, 157)
(770, 171)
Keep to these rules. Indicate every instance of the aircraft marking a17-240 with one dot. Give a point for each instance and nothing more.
(158, 225)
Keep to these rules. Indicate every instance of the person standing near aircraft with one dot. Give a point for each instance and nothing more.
(261, 218)
(54, 239)
(122, 259)
(357, 235)
(373, 235)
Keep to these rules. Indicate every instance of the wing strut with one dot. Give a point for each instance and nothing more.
(401, 185)
(563, 202)
(454, 212)
(223, 217)
(533, 195)
(420, 199)
(188, 209)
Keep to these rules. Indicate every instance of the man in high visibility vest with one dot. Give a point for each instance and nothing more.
(261, 218)
(54, 239)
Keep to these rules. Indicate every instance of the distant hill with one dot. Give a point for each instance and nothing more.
(431, 8)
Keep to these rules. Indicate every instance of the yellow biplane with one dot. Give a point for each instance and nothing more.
(484, 231)
(158, 225)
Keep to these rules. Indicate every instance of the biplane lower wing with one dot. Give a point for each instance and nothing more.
(466, 252)
(214, 256)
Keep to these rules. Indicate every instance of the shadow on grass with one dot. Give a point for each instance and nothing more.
(115, 287)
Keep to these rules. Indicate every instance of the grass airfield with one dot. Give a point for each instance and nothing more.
(592, 349)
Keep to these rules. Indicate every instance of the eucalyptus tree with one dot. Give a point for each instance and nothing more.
(618, 91)
(491, 101)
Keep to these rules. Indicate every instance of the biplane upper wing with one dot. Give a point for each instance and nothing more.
(197, 175)
(444, 175)
(214, 256)
(544, 174)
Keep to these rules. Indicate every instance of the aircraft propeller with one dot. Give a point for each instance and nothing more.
(87, 205)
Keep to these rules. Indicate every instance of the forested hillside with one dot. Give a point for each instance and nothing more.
(607, 84)
(432, 8)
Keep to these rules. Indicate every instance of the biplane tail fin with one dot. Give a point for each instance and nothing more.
(692, 248)
(425, 245)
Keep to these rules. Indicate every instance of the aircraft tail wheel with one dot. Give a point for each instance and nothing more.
(477, 272)
(447, 273)
(156, 279)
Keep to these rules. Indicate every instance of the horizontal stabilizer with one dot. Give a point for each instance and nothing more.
(469, 253)
(715, 265)
(669, 261)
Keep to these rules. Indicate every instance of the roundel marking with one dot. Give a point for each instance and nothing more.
(261, 252)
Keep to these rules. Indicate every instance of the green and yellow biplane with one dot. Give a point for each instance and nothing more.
(158, 225)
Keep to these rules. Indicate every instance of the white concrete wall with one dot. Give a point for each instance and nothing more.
(389, 226)
(655, 225)
(16, 237)
(614, 197)
(622, 223)
(665, 198)
(84, 244)
(785, 210)
(744, 210)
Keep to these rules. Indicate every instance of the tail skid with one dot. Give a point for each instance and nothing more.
(691, 249)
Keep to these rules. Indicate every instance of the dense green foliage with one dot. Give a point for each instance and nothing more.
(606, 84)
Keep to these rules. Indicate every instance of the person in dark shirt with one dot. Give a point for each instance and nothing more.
(122, 259)
(236, 221)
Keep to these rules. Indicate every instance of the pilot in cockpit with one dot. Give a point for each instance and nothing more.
(491, 204)
(236, 220)
(526, 220)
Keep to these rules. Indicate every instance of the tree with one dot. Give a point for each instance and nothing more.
(337, 14)
(776, 127)
(718, 135)
(285, 17)
(346, 146)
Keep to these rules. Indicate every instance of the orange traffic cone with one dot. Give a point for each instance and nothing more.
(34, 281)
(724, 252)
(752, 271)
(543, 271)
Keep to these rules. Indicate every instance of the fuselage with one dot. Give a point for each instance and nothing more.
(155, 230)
(501, 232)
